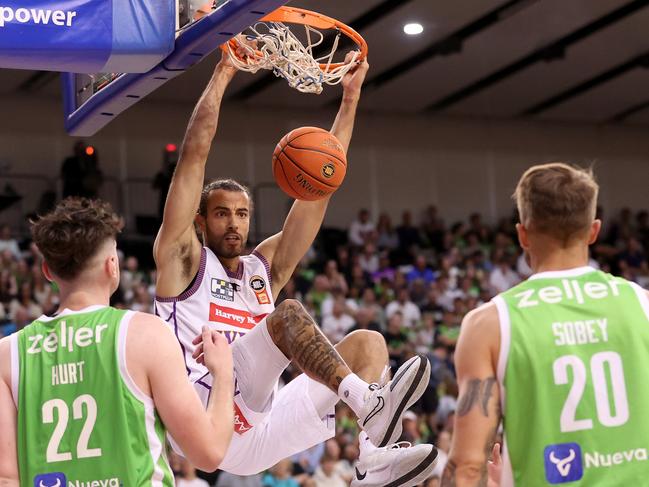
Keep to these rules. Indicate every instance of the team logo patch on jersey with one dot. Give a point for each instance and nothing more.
(241, 424)
(258, 285)
(222, 289)
(563, 463)
(54, 479)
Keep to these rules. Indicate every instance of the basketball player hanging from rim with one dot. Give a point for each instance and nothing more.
(214, 284)
(562, 357)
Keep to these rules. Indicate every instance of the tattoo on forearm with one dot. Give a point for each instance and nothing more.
(478, 393)
(299, 338)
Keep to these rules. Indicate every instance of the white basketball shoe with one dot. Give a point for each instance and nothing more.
(381, 416)
(398, 465)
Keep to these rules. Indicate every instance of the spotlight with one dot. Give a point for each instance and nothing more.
(413, 28)
(90, 150)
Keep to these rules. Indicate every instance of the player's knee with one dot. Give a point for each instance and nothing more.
(287, 315)
(367, 339)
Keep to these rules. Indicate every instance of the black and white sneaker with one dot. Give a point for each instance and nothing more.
(384, 407)
(398, 465)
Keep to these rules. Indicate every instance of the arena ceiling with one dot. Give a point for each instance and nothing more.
(577, 60)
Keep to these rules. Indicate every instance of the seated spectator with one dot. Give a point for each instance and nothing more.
(188, 476)
(348, 461)
(361, 231)
(387, 238)
(503, 277)
(396, 338)
(336, 279)
(425, 334)
(8, 242)
(407, 232)
(227, 479)
(326, 475)
(411, 432)
(421, 271)
(308, 460)
(336, 325)
(365, 321)
(280, 475)
(443, 445)
(318, 293)
(25, 301)
(408, 309)
(369, 259)
(338, 294)
(17, 322)
(385, 269)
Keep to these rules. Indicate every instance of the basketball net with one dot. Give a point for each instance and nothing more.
(280, 51)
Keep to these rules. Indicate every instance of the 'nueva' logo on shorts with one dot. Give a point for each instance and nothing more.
(563, 463)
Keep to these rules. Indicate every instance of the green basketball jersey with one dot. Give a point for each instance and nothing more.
(574, 363)
(82, 421)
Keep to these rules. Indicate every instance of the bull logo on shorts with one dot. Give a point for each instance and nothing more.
(54, 479)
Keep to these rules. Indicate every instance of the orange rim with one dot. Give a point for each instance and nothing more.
(293, 15)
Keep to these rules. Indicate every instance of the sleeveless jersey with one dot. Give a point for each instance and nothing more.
(81, 419)
(231, 302)
(573, 369)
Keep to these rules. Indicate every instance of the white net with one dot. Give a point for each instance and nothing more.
(275, 47)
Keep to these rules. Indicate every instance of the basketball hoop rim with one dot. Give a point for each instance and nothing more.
(294, 15)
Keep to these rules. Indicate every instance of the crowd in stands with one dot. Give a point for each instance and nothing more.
(413, 283)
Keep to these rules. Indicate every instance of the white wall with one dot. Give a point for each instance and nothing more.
(395, 161)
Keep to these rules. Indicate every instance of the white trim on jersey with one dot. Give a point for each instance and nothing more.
(15, 366)
(67, 312)
(506, 473)
(155, 445)
(575, 272)
(642, 297)
(505, 340)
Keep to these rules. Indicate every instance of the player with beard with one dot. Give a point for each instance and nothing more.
(215, 284)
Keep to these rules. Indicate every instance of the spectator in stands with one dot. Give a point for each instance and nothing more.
(25, 301)
(385, 269)
(365, 321)
(407, 309)
(396, 338)
(362, 230)
(227, 479)
(503, 276)
(336, 279)
(17, 322)
(326, 475)
(188, 476)
(369, 259)
(387, 238)
(408, 236)
(432, 229)
(8, 242)
(336, 325)
(421, 271)
(280, 475)
(411, 432)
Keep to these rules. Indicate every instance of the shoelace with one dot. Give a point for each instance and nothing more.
(399, 445)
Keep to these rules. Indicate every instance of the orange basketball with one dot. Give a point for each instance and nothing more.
(309, 163)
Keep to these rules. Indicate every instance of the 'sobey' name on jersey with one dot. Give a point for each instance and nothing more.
(570, 290)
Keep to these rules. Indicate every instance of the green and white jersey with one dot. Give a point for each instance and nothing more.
(573, 368)
(82, 421)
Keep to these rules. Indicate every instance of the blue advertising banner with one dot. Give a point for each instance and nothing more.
(56, 35)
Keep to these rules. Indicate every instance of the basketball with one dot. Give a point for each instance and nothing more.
(309, 163)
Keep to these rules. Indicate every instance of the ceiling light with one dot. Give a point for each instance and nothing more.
(413, 29)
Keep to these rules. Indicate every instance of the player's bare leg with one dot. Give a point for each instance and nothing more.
(379, 409)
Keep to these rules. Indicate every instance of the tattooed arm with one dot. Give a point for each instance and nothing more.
(478, 411)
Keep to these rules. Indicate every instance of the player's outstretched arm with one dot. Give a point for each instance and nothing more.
(285, 249)
(8, 453)
(478, 410)
(176, 238)
(154, 358)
